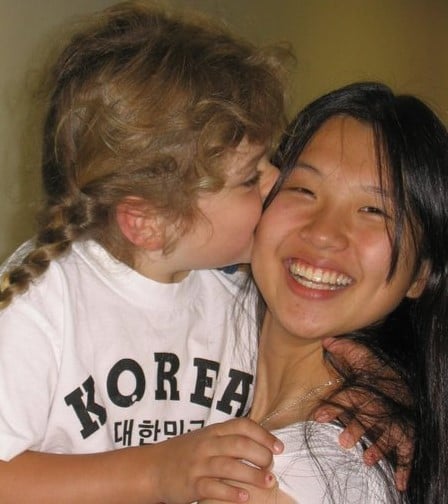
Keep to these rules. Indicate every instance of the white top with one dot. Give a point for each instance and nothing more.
(95, 357)
(343, 477)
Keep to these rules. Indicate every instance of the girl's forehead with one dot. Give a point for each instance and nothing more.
(243, 157)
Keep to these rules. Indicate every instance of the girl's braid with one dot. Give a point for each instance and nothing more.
(61, 224)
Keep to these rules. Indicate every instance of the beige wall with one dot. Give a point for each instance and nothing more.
(402, 42)
(27, 29)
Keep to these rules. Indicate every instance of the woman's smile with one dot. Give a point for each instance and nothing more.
(317, 278)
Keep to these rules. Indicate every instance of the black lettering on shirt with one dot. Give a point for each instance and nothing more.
(131, 366)
(237, 379)
(168, 365)
(204, 381)
(82, 410)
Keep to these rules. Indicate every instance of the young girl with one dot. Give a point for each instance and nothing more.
(353, 244)
(112, 333)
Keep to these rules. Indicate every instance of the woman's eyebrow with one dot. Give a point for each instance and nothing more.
(301, 165)
(377, 190)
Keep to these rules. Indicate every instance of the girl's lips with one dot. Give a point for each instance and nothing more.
(317, 277)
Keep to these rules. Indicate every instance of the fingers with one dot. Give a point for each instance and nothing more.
(400, 449)
(231, 491)
(250, 429)
(404, 454)
(327, 414)
(353, 432)
(201, 463)
(228, 489)
(384, 443)
(240, 471)
(243, 448)
(346, 405)
(358, 357)
(405, 451)
(372, 455)
(372, 417)
(242, 452)
(402, 477)
(251, 494)
(218, 491)
(349, 351)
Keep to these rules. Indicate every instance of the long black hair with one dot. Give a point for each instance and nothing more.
(412, 153)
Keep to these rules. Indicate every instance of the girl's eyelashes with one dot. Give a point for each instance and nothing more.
(253, 180)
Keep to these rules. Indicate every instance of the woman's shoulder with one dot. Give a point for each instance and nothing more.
(314, 468)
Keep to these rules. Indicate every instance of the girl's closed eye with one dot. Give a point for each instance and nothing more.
(253, 180)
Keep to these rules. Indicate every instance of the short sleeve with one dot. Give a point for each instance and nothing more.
(30, 344)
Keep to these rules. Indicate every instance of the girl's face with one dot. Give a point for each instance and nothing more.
(322, 252)
(225, 233)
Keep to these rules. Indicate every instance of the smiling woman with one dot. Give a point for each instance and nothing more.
(324, 239)
(352, 245)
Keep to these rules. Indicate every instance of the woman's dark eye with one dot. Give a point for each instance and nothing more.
(381, 212)
(301, 190)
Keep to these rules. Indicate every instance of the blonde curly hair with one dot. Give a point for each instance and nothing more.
(144, 103)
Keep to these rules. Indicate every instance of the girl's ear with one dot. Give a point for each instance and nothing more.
(419, 283)
(139, 224)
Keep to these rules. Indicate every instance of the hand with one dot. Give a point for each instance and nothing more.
(387, 437)
(194, 466)
(266, 496)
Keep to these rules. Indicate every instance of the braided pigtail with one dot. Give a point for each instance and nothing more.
(61, 225)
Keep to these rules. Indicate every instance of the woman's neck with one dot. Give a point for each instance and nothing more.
(291, 377)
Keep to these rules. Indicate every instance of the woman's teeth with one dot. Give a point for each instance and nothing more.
(318, 278)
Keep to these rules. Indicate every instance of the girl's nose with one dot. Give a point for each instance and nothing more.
(269, 174)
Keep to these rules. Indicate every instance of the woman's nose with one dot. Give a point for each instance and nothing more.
(326, 229)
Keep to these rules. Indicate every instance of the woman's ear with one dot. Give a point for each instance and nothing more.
(419, 283)
(139, 224)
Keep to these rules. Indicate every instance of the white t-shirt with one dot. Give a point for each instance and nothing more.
(343, 477)
(95, 357)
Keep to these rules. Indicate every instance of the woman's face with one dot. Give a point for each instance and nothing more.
(322, 252)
